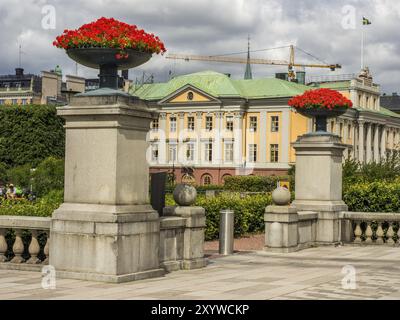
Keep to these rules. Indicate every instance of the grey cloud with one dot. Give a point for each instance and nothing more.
(213, 27)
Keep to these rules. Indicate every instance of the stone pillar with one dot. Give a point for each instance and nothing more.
(217, 145)
(106, 230)
(238, 144)
(376, 144)
(193, 236)
(369, 143)
(162, 146)
(281, 229)
(361, 141)
(263, 137)
(383, 143)
(319, 182)
(199, 117)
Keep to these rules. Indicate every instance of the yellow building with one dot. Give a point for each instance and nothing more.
(221, 127)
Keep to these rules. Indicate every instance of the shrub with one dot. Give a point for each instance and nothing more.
(249, 212)
(253, 183)
(42, 207)
(377, 196)
(3, 173)
(49, 175)
(20, 176)
(29, 134)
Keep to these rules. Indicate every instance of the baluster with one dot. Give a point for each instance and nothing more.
(379, 234)
(34, 249)
(368, 233)
(357, 232)
(18, 248)
(390, 234)
(3, 245)
(47, 248)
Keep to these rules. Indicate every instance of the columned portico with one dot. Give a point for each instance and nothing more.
(361, 141)
(383, 143)
(237, 144)
(369, 143)
(199, 116)
(376, 143)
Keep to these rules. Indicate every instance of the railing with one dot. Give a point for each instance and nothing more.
(374, 228)
(24, 240)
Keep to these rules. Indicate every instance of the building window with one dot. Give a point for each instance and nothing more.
(208, 152)
(228, 151)
(1, 102)
(24, 101)
(190, 123)
(349, 132)
(172, 153)
(190, 152)
(360, 100)
(253, 124)
(209, 123)
(172, 124)
(14, 101)
(274, 123)
(332, 127)
(229, 123)
(252, 152)
(207, 180)
(341, 129)
(154, 152)
(274, 152)
(154, 124)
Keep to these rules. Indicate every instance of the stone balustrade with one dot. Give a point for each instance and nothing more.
(20, 255)
(370, 228)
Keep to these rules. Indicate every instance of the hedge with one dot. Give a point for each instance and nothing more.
(254, 183)
(29, 134)
(377, 196)
(42, 207)
(249, 212)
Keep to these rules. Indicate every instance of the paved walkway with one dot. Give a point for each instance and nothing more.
(310, 274)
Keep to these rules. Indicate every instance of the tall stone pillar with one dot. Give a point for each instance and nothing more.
(361, 141)
(376, 144)
(162, 146)
(383, 143)
(238, 143)
(369, 143)
(105, 230)
(319, 181)
(199, 117)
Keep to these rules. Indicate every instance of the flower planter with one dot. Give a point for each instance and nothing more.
(321, 116)
(106, 60)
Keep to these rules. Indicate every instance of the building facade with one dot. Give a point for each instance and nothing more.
(48, 88)
(223, 127)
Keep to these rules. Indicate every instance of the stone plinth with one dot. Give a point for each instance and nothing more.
(281, 229)
(193, 237)
(319, 181)
(105, 230)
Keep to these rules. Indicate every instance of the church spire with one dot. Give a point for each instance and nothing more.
(248, 75)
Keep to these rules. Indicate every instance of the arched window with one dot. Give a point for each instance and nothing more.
(206, 179)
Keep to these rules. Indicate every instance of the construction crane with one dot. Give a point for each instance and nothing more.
(290, 64)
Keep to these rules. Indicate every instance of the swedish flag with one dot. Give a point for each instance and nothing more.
(366, 21)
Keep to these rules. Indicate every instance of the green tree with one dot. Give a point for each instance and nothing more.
(30, 134)
(48, 176)
(20, 176)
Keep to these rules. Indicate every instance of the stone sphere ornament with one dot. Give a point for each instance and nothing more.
(281, 196)
(184, 194)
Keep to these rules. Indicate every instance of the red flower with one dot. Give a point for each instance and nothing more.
(320, 98)
(110, 33)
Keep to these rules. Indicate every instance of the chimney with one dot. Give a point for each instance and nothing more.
(19, 72)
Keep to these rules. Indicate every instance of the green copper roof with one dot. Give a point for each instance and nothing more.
(382, 111)
(334, 85)
(221, 86)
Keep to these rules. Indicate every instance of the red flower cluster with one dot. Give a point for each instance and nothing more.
(319, 99)
(110, 33)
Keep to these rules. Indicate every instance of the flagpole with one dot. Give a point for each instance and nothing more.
(362, 46)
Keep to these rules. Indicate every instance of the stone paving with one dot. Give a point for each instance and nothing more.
(314, 273)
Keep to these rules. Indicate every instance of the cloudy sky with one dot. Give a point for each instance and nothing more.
(329, 30)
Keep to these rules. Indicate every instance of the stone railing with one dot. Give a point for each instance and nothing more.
(370, 228)
(34, 231)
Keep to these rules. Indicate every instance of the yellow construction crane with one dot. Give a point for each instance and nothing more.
(291, 63)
